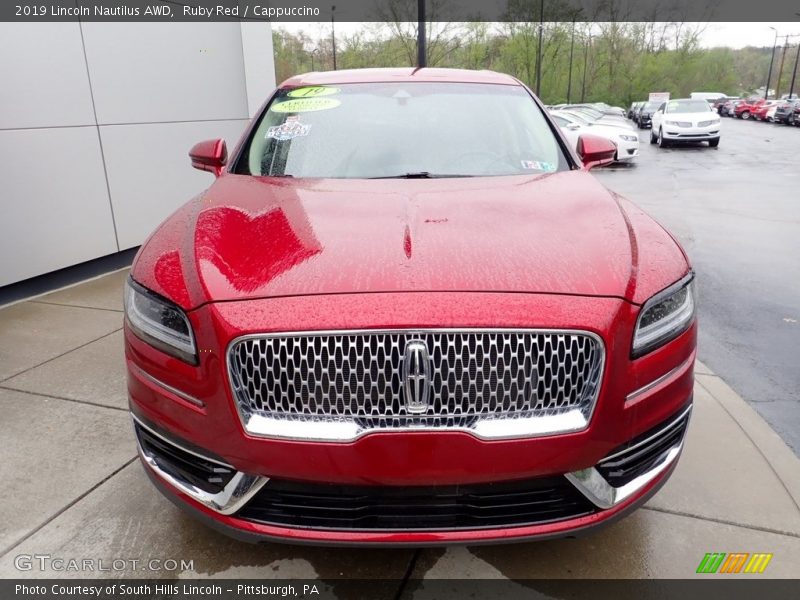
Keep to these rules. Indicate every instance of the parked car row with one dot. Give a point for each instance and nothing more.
(643, 113)
(606, 109)
(759, 109)
(601, 120)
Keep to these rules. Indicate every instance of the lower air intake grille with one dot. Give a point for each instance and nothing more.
(204, 474)
(358, 508)
(639, 455)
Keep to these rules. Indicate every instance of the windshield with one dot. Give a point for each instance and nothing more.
(687, 106)
(417, 129)
(651, 107)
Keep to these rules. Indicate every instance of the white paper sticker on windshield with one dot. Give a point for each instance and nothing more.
(288, 130)
(538, 165)
(299, 105)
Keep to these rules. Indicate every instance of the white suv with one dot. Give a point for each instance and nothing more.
(685, 120)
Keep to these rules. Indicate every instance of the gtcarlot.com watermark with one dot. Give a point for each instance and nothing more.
(59, 564)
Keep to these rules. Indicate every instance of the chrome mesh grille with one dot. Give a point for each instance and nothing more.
(357, 376)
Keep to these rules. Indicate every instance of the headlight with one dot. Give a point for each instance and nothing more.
(671, 123)
(664, 317)
(159, 322)
(629, 138)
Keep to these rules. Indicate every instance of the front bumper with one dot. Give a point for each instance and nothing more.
(690, 134)
(193, 406)
(255, 508)
(627, 150)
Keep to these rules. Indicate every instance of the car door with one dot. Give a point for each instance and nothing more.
(658, 116)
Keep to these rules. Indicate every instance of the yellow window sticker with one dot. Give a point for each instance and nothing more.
(305, 105)
(314, 91)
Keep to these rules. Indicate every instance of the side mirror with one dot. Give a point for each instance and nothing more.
(596, 151)
(209, 155)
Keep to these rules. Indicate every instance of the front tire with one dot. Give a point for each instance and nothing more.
(713, 143)
(746, 115)
(653, 138)
(662, 143)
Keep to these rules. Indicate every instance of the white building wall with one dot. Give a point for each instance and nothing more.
(96, 120)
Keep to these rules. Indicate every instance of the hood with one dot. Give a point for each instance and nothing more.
(254, 237)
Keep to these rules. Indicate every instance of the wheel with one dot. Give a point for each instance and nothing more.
(713, 143)
(746, 115)
(662, 143)
(652, 137)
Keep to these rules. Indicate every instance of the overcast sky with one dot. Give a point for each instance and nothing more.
(734, 35)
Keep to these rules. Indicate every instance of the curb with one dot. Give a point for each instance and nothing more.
(778, 455)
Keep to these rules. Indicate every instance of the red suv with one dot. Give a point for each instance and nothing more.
(405, 313)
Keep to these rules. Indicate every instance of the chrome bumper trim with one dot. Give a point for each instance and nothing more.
(240, 489)
(668, 376)
(604, 495)
(342, 431)
(172, 390)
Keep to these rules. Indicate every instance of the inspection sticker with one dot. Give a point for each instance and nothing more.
(305, 105)
(538, 165)
(288, 130)
(313, 91)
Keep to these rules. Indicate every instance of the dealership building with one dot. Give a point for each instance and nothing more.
(96, 120)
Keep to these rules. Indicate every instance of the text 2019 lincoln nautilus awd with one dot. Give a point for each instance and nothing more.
(406, 313)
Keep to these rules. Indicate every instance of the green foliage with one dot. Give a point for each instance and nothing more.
(618, 63)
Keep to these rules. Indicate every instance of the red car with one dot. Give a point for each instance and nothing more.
(405, 313)
(761, 113)
(748, 108)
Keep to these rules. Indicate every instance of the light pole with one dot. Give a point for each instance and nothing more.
(333, 35)
(422, 54)
(794, 73)
(780, 68)
(571, 49)
(585, 63)
(771, 60)
(539, 50)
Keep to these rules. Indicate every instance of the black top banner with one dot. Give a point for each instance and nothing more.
(401, 10)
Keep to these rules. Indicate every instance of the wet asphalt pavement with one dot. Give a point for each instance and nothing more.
(736, 210)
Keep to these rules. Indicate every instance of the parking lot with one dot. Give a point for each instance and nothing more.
(736, 210)
(74, 488)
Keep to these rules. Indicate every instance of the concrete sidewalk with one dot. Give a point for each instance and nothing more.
(74, 490)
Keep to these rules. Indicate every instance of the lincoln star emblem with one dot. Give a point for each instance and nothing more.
(417, 377)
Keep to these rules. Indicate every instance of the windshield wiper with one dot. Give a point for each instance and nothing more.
(422, 175)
